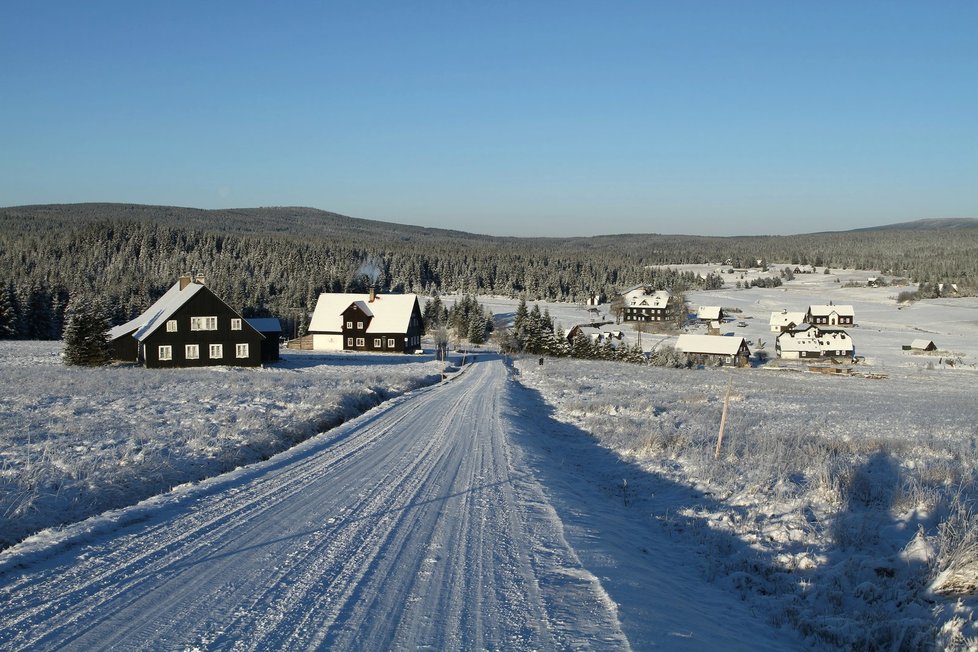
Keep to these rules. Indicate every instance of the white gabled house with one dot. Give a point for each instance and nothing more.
(641, 303)
(709, 314)
(830, 315)
(786, 321)
(714, 349)
(366, 322)
(810, 341)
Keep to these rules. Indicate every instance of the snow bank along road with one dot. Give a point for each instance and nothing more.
(416, 525)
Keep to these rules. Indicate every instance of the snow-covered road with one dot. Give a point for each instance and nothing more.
(418, 525)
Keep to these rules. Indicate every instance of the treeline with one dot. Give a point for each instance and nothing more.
(276, 261)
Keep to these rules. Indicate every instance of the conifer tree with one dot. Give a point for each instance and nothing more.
(86, 334)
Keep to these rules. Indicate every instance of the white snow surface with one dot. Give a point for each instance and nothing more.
(77, 441)
(460, 516)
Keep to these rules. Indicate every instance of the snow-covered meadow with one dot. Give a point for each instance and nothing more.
(853, 497)
(77, 441)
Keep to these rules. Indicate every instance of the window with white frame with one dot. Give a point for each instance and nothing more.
(349, 341)
(192, 351)
(359, 341)
(171, 326)
(349, 324)
(360, 325)
(215, 351)
(166, 352)
(390, 343)
(235, 324)
(377, 343)
(203, 323)
(241, 350)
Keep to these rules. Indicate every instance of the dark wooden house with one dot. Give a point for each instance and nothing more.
(189, 326)
(271, 330)
(389, 323)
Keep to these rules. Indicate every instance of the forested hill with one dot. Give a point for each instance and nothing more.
(277, 260)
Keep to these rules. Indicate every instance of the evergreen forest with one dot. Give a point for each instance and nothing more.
(276, 261)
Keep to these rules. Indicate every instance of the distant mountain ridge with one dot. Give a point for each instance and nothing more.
(927, 224)
(300, 220)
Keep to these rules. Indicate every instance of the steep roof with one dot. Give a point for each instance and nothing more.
(641, 297)
(922, 344)
(391, 312)
(786, 318)
(711, 344)
(157, 313)
(814, 339)
(711, 313)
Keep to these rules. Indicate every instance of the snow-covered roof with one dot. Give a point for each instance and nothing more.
(265, 324)
(711, 313)
(391, 312)
(712, 344)
(156, 314)
(813, 339)
(786, 318)
(641, 297)
(922, 344)
(824, 311)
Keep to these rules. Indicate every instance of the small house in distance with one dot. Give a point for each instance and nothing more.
(810, 341)
(189, 326)
(922, 345)
(710, 314)
(714, 349)
(786, 321)
(830, 315)
(641, 303)
(366, 322)
(596, 334)
(271, 330)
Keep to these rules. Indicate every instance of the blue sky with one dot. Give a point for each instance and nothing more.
(509, 118)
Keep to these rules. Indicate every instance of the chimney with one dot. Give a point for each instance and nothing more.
(185, 280)
(199, 280)
(373, 294)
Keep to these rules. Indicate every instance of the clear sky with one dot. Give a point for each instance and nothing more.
(504, 117)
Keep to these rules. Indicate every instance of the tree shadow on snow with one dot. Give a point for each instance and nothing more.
(650, 527)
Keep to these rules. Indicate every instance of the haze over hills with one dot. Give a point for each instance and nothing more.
(300, 220)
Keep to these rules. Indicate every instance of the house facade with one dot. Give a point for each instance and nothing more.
(709, 314)
(786, 320)
(830, 315)
(388, 323)
(189, 326)
(642, 304)
(714, 349)
(810, 341)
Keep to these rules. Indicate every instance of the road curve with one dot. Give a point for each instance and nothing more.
(414, 528)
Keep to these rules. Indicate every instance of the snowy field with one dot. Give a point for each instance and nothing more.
(75, 442)
(883, 326)
(840, 506)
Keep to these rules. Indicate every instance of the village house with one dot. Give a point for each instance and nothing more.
(714, 349)
(830, 315)
(922, 345)
(786, 320)
(643, 304)
(366, 322)
(189, 326)
(810, 341)
(710, 314)
(596, 334)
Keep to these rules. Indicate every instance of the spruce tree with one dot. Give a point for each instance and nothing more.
(86, 334)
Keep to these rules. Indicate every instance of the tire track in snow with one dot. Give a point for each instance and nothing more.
(412, 529)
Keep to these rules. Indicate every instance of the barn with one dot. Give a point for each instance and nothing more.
(714, 349)
(189, 326)
(366, 322)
